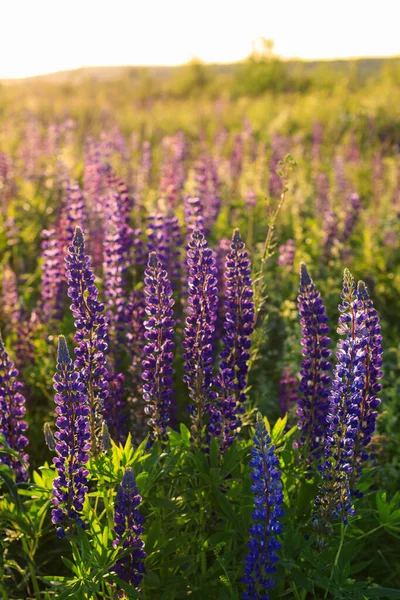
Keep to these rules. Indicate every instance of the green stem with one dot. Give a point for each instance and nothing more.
(335, 564)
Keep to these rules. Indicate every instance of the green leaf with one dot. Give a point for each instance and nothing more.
(382, 593)
(278, 429)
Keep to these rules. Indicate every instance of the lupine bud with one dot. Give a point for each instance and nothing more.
(268, 497)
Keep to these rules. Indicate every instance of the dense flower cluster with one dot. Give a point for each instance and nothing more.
(199, 330)
(268, 497)
(91, 334)
(157, 364)
(128, 529)
(12, 411)
(165, 238)
(72, 443)
(238, 327)
(352, 401)
(315, 380)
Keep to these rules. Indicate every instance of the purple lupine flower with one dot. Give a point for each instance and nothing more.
(268, 498)
(198, 333)
(128, 530)
(73, 443)
(159, 350)
(207, 186)
(91, 334)
(280, 147)
(12, 412)
(366, 412)
(250, 199)
(353, 153)
(117, 248)
(312, 406)
(286, 253)
(24, 344)
(231, 380)
(221, 252)
(236, 159)
(52, 277)
(347, 400)
(194, 214)
(136, 343)
(115, 406)
(330, 228)
(165, 238)
(351, 218)
(288, 391)
(341, 181)
(75, 210)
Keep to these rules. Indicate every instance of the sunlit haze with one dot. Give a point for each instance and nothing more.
(45, 36)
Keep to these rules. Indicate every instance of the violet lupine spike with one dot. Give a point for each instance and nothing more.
(128, 530)
(268, 498)
(136, 343)
(352, 216)
(335, 499)
(91, 334)
(75, 209)
(288, 391)
(165, 238)
(198, 333)
(312, 406)
(117, 248)
(159, 350)
(52, 277)
(12, 412)
(115, 406)
(231, 380)
(207, 186)
(72, 443)
(366, 411)
(236, 159)
(330, 228)
(323, 193)
(286, 254)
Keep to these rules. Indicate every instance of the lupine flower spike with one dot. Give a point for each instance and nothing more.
(91, 331)
(268, 497)
(12, 411)
(157, 364)
(72, 443)
(128, 529)
(352, 404)
(315, 380)
(199, 330)
(238, 327)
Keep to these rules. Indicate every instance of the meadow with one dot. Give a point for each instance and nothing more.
(200, 341)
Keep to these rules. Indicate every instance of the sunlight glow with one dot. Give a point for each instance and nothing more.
(45, 36)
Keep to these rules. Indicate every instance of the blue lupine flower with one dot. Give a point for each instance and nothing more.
(268, 497)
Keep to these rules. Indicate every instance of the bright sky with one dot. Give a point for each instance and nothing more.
(43, 36)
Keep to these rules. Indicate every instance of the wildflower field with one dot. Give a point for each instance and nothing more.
(200, 349)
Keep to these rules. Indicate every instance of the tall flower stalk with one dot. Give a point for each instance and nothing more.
(91, 334)
(198, 333)
(312, 404)
(72, 443)
(159, 350)
(238, 326)
(12, 412)
(352, 403)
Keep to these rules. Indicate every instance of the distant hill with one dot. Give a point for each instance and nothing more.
(365, 67)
